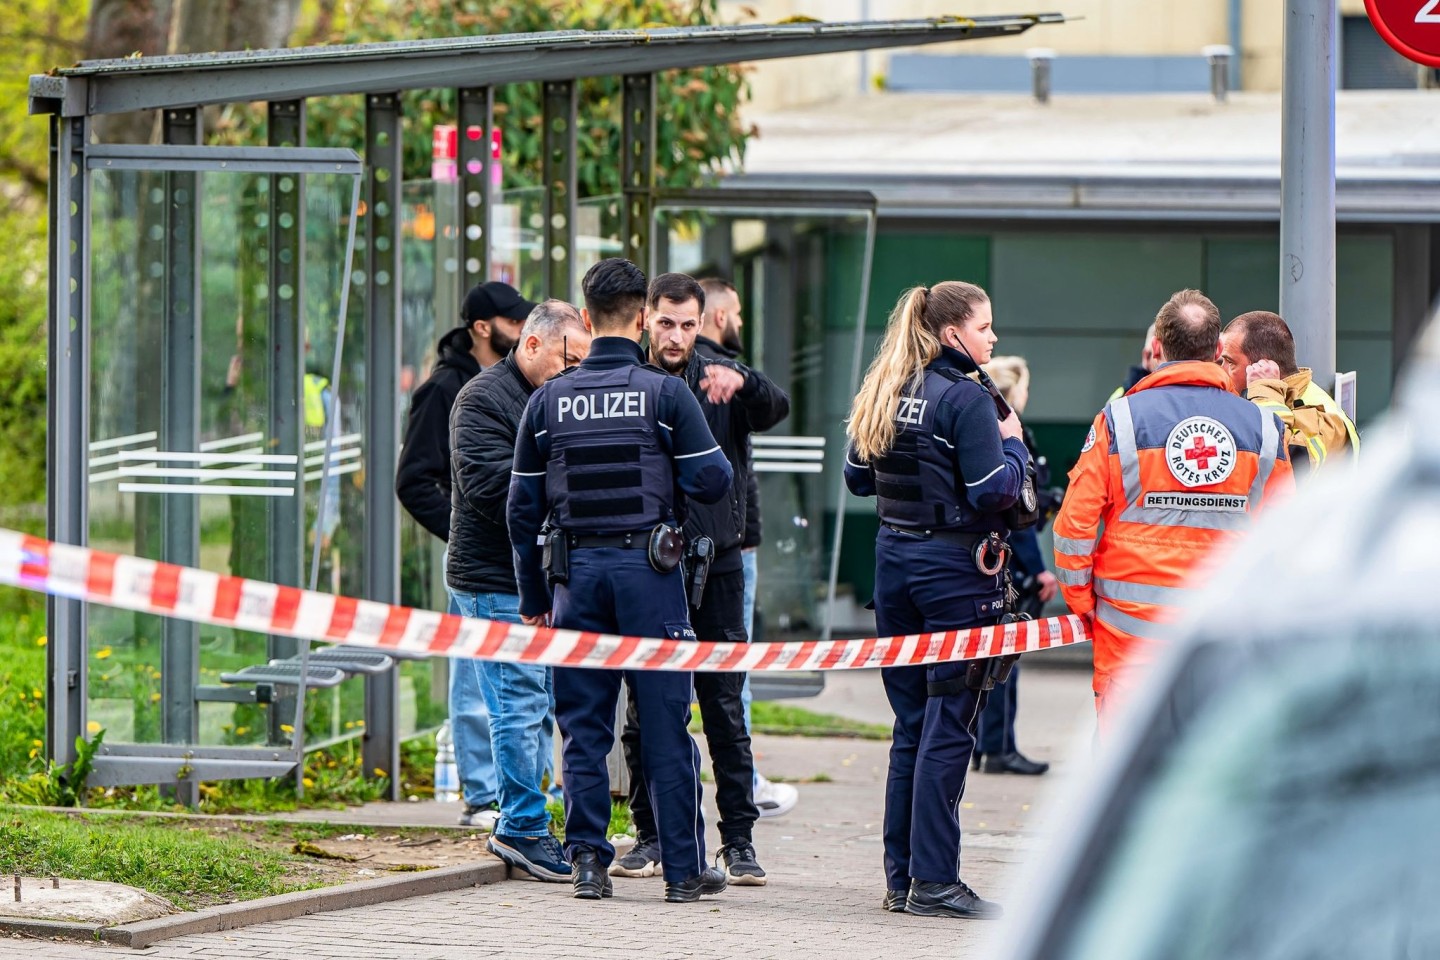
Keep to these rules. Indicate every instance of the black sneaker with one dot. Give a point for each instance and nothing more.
(949, 900)
(741, 868)
(541, 857)
(894, 900)
(590, 879)
(643, 860)
(710, 882)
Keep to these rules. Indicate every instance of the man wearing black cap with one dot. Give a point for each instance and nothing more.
(491, 316)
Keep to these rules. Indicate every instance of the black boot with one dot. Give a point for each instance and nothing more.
(949, 900)
(708, 883)
(1014, 762)
(590, 879)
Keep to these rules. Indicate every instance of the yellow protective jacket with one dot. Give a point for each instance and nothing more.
(1323, 433)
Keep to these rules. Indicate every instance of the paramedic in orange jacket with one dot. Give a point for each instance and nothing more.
(1171, 469)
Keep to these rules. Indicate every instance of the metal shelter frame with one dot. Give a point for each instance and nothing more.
(177, 87)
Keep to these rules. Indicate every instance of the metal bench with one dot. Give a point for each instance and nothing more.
(349, 659)
(287, 673)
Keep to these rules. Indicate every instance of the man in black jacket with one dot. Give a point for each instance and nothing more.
(481, 576)
(736, 401)
(719, 339)
(492, 314)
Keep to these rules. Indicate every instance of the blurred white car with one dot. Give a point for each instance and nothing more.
(1275, 793)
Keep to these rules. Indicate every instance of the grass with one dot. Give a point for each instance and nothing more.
(173, 859)
(620, 820)
(778, 719)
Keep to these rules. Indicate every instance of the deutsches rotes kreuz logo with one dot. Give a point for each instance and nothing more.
(1200, 451)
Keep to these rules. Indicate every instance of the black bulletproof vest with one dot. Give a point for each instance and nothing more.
(607, 472)
(917, 483)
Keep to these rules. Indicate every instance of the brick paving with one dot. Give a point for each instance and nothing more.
(824, 860)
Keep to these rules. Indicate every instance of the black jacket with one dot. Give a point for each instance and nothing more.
(422, 479)
(757, 406)
(483, 425)
(713, 351)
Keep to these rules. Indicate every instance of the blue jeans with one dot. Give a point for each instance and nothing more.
(752, 572)
(520, 698)
(469, 720)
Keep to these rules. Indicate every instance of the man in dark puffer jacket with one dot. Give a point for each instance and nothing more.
(481, 576)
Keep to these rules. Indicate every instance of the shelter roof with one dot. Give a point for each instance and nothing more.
(140, 83)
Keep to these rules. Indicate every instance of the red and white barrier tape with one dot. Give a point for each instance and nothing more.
(203, 597)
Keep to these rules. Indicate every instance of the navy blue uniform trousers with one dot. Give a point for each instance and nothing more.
(924, 586)
(613, 590)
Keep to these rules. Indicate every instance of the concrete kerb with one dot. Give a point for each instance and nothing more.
(286, 906)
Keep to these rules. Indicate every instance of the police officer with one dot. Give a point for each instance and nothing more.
(924, 440)
(605, 453)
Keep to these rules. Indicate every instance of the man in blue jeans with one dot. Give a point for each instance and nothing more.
(490, 317)
(480, 576)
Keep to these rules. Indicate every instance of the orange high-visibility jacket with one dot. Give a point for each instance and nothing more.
(1174, 467)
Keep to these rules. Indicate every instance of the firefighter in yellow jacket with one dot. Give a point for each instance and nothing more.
(1258, 355)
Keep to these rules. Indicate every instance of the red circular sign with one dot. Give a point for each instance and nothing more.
(1412, 27)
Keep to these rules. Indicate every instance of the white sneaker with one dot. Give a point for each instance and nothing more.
(482, 818)
(774, 799)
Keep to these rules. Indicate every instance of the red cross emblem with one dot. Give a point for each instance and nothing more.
(1201, 453)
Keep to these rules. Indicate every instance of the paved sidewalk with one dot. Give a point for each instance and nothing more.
(824, 859)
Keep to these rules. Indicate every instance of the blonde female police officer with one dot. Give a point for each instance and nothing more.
(924, 440)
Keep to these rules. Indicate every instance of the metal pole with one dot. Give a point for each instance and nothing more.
(382, 412)
(560, 187)
(180, 430)
(637, 168)
(476, 126)
(68, 435)
(1307, 184)
(286, 515)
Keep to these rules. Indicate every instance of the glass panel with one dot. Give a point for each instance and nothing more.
(798, 276)
(597, 235)
(430, 307)
(201, 484)
(517, 255)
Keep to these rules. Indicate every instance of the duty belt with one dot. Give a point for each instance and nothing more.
(959, 538)
(625, 541)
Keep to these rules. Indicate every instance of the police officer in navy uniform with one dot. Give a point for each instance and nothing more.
(603, 460)
(925, 441)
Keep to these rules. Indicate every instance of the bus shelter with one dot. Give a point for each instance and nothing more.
(234, 331)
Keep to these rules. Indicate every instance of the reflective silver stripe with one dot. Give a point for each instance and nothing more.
(987, 476)
(1125, 445)
(1269, 448)
(687, 456)
(1107, 614)
(1139, 592)
(1074, 548)
(1199, 519)
(1073, 578)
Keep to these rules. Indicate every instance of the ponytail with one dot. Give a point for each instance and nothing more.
(911, 342)
(899, 365)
